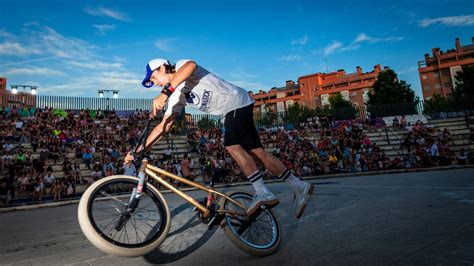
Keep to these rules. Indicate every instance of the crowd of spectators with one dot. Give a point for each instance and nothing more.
(324, 146)
(35, 143)
(427, 146)
(339, 147)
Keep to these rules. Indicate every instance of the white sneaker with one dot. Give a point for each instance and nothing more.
(267, 199)
(302, 198)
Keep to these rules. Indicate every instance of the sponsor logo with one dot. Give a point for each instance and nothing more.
(206, 99)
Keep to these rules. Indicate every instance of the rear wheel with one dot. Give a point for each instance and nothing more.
(259, 236)
(104, 204)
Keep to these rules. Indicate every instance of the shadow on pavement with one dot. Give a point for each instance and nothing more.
(186, 238)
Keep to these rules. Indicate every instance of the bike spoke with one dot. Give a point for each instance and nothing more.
(259, 232)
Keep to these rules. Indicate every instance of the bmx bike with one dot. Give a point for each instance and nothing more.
(128, 216)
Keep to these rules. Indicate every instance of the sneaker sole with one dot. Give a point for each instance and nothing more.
(310, 193)
(268, 204)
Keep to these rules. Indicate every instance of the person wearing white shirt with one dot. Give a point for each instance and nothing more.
(189, 84)
(49, 179)
(8, 146)
(18, 125)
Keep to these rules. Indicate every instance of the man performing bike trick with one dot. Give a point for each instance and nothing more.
(188, 84)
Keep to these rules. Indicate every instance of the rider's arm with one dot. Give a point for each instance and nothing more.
(183, 73)
(159, 131)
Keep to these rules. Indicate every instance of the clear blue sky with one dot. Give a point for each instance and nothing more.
(78, 47)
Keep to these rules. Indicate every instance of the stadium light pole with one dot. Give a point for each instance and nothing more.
(14, 91)
(102, 93)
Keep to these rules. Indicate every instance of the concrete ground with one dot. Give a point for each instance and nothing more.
(424, 218)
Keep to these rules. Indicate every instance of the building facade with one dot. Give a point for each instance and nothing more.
(438, 71)
(3, 91)
(277, 99)
(315, 89)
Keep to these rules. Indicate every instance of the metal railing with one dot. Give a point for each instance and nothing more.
(73, 103)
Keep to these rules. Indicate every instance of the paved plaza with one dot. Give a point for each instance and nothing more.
(424, 218)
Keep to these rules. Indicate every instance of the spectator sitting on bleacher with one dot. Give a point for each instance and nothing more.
(96, 173)
(57, 189)
(87, 158)
(462, 158)
(186, 169)
(49, 179)
(395, 122)
(108, 167)
(168, 154)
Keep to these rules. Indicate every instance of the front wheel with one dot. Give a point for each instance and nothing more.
(259, 236)
(104, 204)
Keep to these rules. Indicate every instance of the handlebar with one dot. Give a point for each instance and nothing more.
(142, 139)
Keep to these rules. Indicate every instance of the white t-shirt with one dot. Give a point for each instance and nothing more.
(49, 179)
(207, 92)
(8, 146)
(19, 124)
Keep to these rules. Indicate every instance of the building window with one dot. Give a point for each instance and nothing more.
(437, 86)
(427, 87)
(448, 84)
(424, 77)
(435, 75)
(445, 72)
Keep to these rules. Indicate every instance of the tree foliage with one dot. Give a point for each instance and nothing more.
(389, 89)
(337, 101)
(465, 82)
(206, 123)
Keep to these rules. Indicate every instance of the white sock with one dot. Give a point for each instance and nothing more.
(295, 183)
(257, 182)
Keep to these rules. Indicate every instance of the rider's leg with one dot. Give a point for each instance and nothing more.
(303, 190)
(278, 168)
(248, 166)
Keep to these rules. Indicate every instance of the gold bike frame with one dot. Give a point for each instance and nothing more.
(157, 173)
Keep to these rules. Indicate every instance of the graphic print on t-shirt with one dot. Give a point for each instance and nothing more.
(192, 98)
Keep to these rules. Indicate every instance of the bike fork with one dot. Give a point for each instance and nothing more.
(134, 198)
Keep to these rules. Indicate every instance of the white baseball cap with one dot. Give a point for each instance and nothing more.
(150, 67)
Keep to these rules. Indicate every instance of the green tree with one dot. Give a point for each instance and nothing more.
(341, 109)
(206, 123)
(438, 103)
(296, 114)
(465, 82)
(336, 101)
(389, 89)
(266, 119)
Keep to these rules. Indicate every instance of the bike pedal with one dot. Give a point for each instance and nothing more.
(211, 223)
(215, 220)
